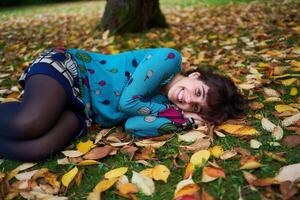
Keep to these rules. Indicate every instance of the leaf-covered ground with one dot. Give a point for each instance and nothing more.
(256, 44)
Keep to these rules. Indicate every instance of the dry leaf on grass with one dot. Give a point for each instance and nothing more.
(98, 153)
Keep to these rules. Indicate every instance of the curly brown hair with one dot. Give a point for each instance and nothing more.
(223, 99)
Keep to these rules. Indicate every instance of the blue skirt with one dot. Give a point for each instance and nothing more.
(59, 65)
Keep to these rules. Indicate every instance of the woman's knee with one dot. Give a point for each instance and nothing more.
(28, 126)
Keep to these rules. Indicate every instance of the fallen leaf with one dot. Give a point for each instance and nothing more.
(216, 151)
(150, 143)
(98, 153)
(160, 172)
(289, 173)
(267, 124)
(88, 162)
(287, 189)
(25, 175)
(144, 183)
(128, 188)
(255, 144)
(212, 173)
(84, 147)
(189, 170)
(239, 130)
(282, 108)
(291, 120)
(115, 173)
(277, 133)
(271, 92)
(185, 187)
(191, 136)
(21, 167)
(69, 176)
(72, 153)
(250, 162)
(293, 91)
(275, 156)
(104, 185)
(291, 140)
(228, 154)
(199, 144)
(200, 157)
(256, 105)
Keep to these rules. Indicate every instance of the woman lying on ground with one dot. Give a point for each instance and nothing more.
(67, 89)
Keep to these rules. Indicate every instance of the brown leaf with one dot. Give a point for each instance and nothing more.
(145, 154)
(98, 153)
(256, 105)
(242, 151)
(287, 189)
(291, 140)
(199, 144)
(129, 150)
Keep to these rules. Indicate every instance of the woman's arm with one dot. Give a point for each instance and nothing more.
(156, 69)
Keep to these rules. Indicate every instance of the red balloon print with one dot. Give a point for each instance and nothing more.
(91, 71)
(170, 56)
(102, 83)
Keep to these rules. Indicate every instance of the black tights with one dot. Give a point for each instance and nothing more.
(38, 126)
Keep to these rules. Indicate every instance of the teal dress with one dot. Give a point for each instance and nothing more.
(124, 88)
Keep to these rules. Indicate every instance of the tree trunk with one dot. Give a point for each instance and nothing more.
(123, 16)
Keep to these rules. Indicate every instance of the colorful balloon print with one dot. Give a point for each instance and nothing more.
(170, 56)
(144, 111)
(86, 82)
(103, 62)
(114, 70)
(150, 118)
(91, 71)
(134, 63)
(83, 56)
(102, 83)
(106, 102)
(148, 75)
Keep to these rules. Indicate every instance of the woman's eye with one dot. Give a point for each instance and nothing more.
(196, 108)
(198, 93)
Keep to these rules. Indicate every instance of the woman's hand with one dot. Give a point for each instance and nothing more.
(197, 118)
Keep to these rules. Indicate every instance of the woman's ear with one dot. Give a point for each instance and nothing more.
(194, 75)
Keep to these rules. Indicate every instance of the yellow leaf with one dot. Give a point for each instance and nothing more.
(116, 172)
(217, 151)
(275, 156)
(160, 172)
(200, 157)
(84, 147)
(251, 165)
(293, 91)
(147, 172)
(282, 108)
(264, 65)
(69, 176)
(189, 170)
(128, 188)
(187, 190)
(170, 44)
(94, 196)
(88, 162)
(289, 81)
(295, 63)
(239, 130)
(105, 185)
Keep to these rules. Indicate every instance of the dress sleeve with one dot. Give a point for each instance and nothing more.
(156, 69)
(170, 120)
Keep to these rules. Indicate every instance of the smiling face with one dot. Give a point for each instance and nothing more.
(188, 93)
